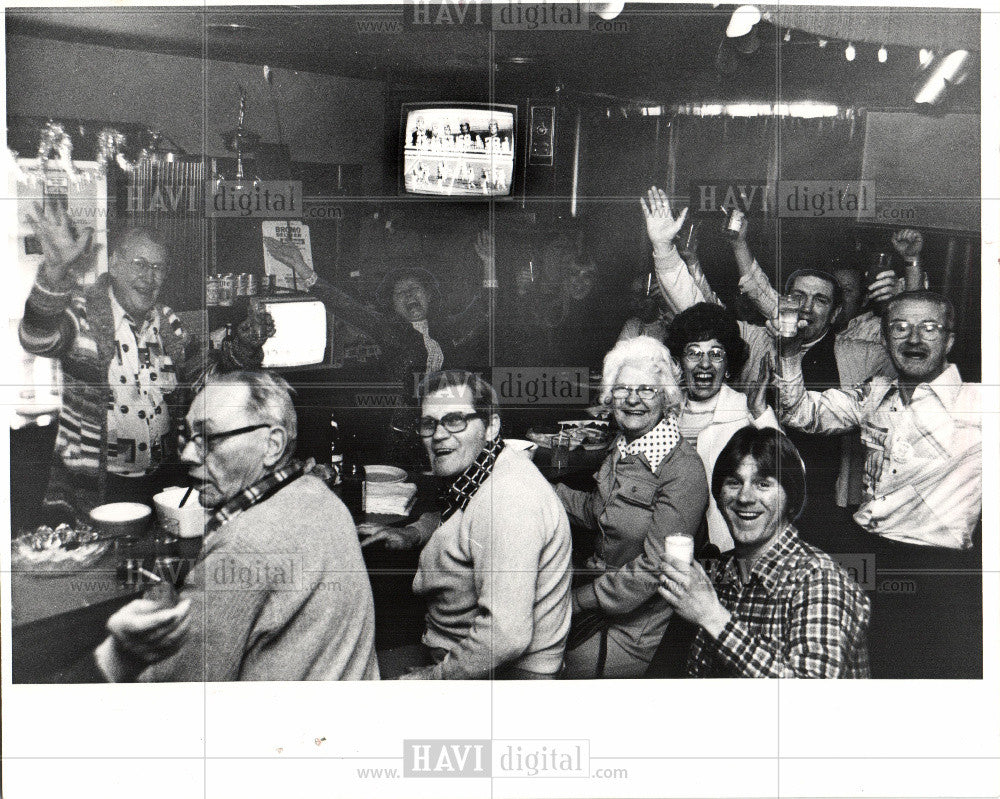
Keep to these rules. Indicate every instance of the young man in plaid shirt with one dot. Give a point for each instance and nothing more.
(775, 606)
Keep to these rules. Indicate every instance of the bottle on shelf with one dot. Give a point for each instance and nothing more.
(336, 453)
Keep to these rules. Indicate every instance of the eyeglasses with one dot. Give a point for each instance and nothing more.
(142, 265)
(694, 355)
(643, 392)
(928, 331)
(202, 441)
(452, 422)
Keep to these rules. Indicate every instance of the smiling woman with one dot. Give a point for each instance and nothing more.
(650, 486)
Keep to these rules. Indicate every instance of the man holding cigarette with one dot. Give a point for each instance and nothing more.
(280, 590)
(775, 606)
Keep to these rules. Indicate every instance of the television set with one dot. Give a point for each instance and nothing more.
(458, 149)
(301, 333)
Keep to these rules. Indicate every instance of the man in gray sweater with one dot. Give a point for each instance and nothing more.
(280, 590)
(495, 564)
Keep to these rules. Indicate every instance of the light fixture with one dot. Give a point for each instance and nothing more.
(240, 141)
(742, 21)
(849, 52)
(883, 54)
(788, 36)
(925, 56)
(940, 75)
(609, 10)
(822, 42)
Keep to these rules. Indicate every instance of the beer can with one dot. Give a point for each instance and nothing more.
(241, 284)
(227, 289)
(211, 290)
(735, 223)
(252, 289)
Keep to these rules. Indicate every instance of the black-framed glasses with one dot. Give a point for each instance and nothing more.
(928, 331)
(154, 267)
(452, 422)
(642, 392)
(694, 355)
(202, 441)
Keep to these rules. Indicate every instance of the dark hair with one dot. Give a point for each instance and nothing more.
(775, 455)
(484, 396)
(706, 321)
(838, 292)
(401, 273)
(923, 295)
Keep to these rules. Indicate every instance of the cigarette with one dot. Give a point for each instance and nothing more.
(150, 575)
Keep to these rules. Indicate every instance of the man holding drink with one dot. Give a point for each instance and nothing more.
(774, 606)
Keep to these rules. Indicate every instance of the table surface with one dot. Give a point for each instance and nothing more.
(58, 619)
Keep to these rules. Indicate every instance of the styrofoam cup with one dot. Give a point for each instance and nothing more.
(186, 522)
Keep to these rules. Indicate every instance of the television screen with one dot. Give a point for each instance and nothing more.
(300, 336)
(458, 149)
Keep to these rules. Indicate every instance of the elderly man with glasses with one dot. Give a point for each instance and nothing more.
(280, 590)
(126, 362)
(923, 487)
(495, 563)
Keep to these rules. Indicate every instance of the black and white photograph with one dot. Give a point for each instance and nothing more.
(425, 398)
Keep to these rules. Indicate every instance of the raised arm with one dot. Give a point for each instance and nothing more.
(832, 411)
(372, 323)
(49, 326)
(753, 282)
(680, 290)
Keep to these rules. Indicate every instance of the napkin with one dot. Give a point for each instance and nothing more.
(390, 498)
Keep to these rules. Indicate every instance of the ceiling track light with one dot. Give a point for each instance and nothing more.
(850, 52)
(822, 43)
(939, 75)
(742, 22)
(883, 54)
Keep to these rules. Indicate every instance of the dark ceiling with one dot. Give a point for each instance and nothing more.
(659, 53)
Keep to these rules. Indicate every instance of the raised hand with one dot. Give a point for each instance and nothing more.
(63, 248)
(886, 285)
(287, 253)
(485, 246)
(908, 242)
(661, 224)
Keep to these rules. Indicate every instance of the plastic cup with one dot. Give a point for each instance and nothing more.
(679, 547)
(186, 522)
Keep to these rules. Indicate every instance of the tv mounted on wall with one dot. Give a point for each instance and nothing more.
(458, 149)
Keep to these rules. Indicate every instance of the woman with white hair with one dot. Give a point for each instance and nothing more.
(651, 485)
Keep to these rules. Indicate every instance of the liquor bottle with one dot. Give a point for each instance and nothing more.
(352, 479)
(336, 454)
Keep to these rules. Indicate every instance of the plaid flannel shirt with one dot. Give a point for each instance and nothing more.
(798, 615)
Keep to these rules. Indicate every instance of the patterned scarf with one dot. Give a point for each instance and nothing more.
(464, 487)
(266, 487)
(655, 445)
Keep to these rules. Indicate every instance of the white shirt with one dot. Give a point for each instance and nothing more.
(923, 481)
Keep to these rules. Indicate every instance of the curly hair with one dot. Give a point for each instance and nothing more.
(706, 321)
(644, 352)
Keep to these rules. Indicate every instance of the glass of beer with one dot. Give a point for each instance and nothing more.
(788, 316)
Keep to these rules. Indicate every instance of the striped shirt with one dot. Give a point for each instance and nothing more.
(798, 615)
